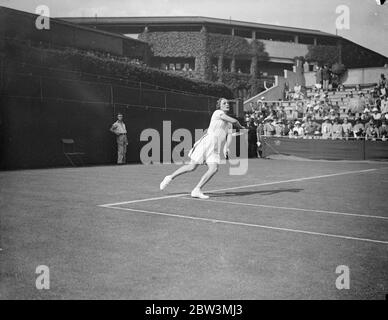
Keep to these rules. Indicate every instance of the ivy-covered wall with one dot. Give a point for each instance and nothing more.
(193, 44)
(181, 45)
(203, 47)
(234, 46)
(174, 44)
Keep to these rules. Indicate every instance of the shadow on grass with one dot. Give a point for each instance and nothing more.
(248, 193)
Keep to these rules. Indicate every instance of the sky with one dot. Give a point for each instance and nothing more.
(368, 22)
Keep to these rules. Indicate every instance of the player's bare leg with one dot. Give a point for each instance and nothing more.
(182, 170)
(211, 171)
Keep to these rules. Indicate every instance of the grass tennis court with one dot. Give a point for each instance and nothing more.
(278, 232)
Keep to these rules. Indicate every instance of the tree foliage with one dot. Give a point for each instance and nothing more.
(322, 54)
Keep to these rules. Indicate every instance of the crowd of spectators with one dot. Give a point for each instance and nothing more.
(357, 115)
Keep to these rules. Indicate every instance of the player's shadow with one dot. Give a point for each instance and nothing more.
(248, 193)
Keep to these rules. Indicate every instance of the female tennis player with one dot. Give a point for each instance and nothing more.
(207, 149)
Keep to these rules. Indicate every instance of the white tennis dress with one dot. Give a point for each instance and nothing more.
(208, 148)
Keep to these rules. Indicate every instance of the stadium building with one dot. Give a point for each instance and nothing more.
(211, 48)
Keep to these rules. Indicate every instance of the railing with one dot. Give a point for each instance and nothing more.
(319, 137)
(339, 149)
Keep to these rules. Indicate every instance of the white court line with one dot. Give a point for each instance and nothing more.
(240, 187)
(250, 225)
(289, 208)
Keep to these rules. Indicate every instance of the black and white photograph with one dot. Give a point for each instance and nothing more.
(193, 155)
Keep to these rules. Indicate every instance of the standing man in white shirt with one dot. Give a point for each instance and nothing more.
(119, 129)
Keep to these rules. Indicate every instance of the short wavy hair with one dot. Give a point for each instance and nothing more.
(218, 106)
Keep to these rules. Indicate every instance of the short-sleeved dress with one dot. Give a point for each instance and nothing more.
(208, 148)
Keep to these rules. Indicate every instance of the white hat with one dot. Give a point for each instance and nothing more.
(366, 110)
(297, 122)
(375, 109)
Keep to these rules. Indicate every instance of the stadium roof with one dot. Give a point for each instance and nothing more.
(186, 20)
(73, 25)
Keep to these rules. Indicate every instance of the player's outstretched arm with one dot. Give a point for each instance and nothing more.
(234, 121)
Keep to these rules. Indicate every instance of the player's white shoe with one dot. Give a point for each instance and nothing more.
(165, 182)
(197, 193)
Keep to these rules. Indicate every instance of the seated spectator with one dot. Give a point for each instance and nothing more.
(327, 128)
(294, 112)
(384, 105)
(272, 111)
(297, 131)
(358, 129)
(376, 115)
(370, 101)
(279, 128)
(337, 130)
(383, 130)
(332, 115)
(362, 100)
(347, 128)
(309, 113)
(310, 128)
(286, 128)
(366, 115)
(318, 129)
(371, 131)
(309, 103)
(281, 114)
(350, 115)
(269, 129)
(325, 107)
(299, 109)
(355, 106)
(298, 91)
(376, 92)
(369, 123)
(317, 112)
(336, 107)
